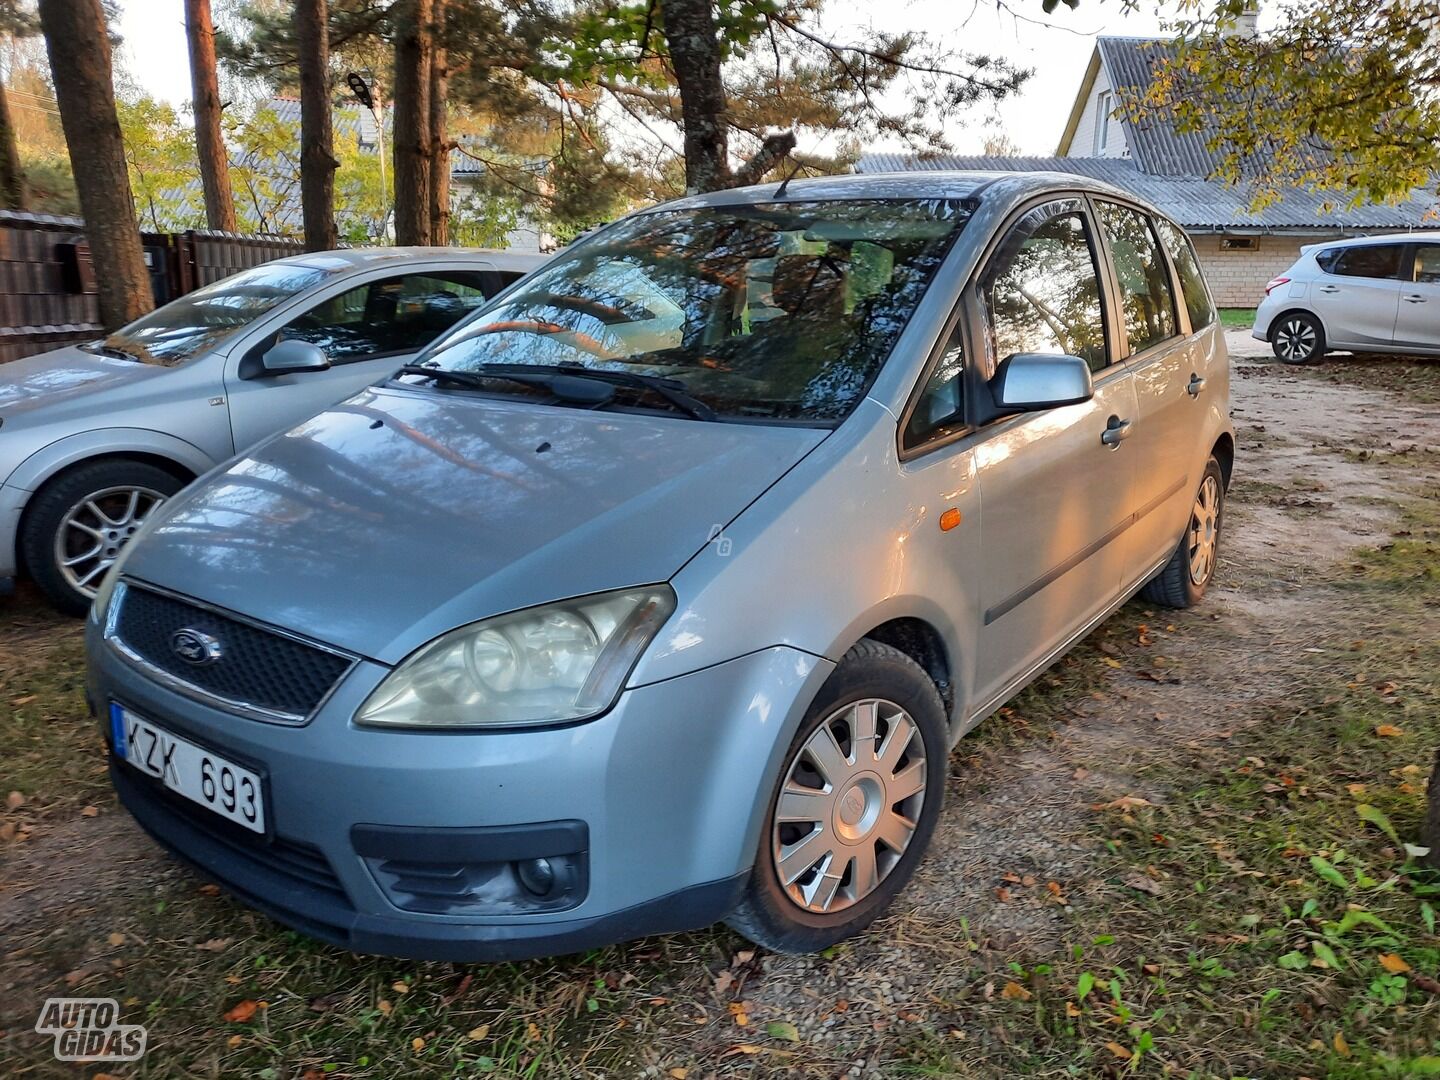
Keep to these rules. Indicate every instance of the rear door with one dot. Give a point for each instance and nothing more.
(367, 330)
(1169, 367)
(1357, 295)
(1054, 497)
(1417, 324)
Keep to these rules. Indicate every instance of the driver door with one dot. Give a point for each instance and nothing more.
(367, 331)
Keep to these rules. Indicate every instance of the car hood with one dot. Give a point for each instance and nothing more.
(400, 514)
(64, 379)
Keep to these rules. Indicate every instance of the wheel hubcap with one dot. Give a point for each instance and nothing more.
(1296, 339)
(1204, 530)
(849, 805)
(94, 530)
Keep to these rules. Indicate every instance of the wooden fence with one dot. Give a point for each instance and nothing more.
(47, 286)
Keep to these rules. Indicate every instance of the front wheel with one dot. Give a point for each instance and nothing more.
(1298, 338)
(1185, 577)
(77, 524)
(856, 803)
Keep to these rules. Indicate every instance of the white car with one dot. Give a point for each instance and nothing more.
(93, 437)
(1376, 294)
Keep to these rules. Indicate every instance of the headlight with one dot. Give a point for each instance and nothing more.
(544, 665)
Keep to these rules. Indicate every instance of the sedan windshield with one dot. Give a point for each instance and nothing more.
(184, 328)
(780, 311)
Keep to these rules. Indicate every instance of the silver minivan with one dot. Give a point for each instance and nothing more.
(94, 436)
(657, 592)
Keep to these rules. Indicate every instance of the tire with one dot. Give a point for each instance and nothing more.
(1297, 338)
(1430, 828)
(1176, 586)
(858, 818)
(59, 526)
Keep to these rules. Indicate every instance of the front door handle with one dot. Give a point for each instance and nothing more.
(1116, 431)
(1329, 288)
(1196, 385)
(1414, 298)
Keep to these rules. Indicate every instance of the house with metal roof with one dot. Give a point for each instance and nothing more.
(1241, 248)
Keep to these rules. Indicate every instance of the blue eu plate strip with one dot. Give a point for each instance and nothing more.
(117, 729)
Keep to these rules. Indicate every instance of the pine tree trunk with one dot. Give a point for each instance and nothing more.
(317, 147)
(12, 177)
(439, 140)
(694, 44)
(413, 55)
(78, 43)
(209, 143)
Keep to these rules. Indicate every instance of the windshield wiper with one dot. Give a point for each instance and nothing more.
(672, 390)
(106, 349)
(562, 385)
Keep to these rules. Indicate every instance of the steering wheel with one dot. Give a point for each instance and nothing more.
(541, 328)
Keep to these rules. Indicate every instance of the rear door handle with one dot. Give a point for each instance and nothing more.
(1414, 298)
(1196, 385)
(1329, 288)
(1116, 431)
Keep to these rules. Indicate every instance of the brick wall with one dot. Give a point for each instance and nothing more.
(1237, 278)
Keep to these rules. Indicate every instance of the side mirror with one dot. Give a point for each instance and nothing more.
(289, 357)
(1031, 382)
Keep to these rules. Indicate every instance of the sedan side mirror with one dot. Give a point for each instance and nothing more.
(1031, 382)
(289, 357)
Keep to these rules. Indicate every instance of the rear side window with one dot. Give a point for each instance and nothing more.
(1427, 264)
(1192, 282)
(1369, 261)
(1146, 296)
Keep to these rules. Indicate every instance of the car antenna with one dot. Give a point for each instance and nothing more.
(780, 191)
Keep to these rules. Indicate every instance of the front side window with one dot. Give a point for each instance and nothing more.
(1368, 261)
(1146, 298)
(1427, 264)
(1192, 282)
(773, 311)
(1042, 291)
(187, 327)
(392, 315)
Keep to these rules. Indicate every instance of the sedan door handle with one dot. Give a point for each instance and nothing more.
(1196, 385)
(1116, 431)
(1414, 298)
(1329, 288)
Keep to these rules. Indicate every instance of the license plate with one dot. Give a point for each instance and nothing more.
(199, 774)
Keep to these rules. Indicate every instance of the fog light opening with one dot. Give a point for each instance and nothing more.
(537, 876)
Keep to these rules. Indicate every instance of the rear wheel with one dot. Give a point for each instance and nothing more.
(77, 524)
(857, 800)
(1298, 338)
(1185, 577)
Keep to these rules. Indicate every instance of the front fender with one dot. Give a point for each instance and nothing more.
(107, 442)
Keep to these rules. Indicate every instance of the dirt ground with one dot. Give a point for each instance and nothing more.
(1320, 469)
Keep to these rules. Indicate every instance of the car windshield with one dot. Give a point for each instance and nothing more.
(776, 311)
(184, 328)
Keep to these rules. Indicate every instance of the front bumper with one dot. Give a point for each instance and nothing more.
(667, 788)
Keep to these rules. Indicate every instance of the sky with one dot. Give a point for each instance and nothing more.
(1056, 46)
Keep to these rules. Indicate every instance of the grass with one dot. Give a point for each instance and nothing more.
(1415, 378)
(1267, 918)
(1237, 318)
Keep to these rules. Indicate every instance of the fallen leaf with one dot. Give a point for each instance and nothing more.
(116, 940)
(1003, 895)
(1389, 731)
(459, 991)
(1013, 991)
(312, 1074)
(24, 700)
(242, 1013)
(1393, 963)
(15, 800)
(7, 831)
(215, 944)
(532, 1031)
(783, 1029)
(678, 1073)
(1071, 1009)
(1139, 881)
(1055, 890)
(417, 1044)
(1424, 982)
(743, 1048)
(209, 890)
(90, 811)
(1125, 802)
(476, 1034)
(1341, 1046)
(1118, 1050)
(400, 987)
(234, 1040)
(323, 1003)
(384, 1007)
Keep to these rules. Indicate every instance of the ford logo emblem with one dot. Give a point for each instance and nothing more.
(195, 646)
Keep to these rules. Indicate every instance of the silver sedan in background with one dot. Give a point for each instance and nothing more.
(93, 437)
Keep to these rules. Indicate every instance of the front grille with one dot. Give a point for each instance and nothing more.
(257, 669)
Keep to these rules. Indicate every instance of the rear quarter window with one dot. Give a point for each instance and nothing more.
(1192, 281)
